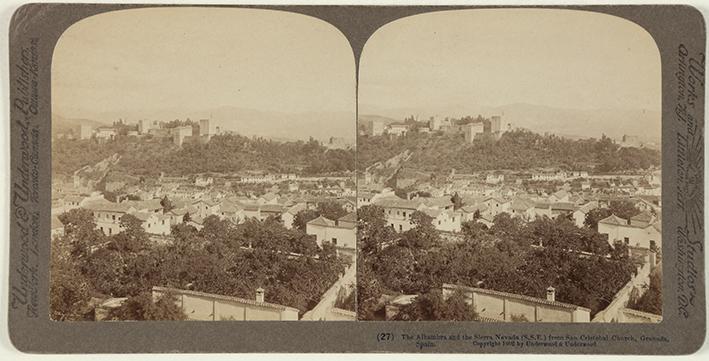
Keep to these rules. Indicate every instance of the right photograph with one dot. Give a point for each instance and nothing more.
(509, 169)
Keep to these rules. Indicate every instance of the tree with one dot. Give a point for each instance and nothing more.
(369, 290)
(166, 204)
(80, 233)
(472, 230)
(651, 300)
(423, 235)
(142, 308)
(457, 201)
(595, 215)
(331, 210)
(373, 232)
(68, 288)
(132, 237)
(432, 306)
(302, 218)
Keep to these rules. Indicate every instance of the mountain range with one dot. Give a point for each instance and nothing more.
(572, 123)
(249, 122)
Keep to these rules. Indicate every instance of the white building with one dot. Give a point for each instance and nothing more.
(397, 129)
(341, 232)
(642, 231)
(471, 130)
(179, 134)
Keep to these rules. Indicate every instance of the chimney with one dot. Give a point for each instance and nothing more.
(652, 259)
(551, 294)
(260, 292)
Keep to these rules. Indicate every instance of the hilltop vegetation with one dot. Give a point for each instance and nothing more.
(223, 153)
(515, 150)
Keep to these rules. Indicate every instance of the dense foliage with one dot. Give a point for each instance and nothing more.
(511, 256)
(221, 258)
(223, 153)
(515, 150)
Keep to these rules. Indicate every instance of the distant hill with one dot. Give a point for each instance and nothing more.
(64, 125)
(573, 123)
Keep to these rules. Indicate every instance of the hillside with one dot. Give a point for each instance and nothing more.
(516, 150)
(223, 154)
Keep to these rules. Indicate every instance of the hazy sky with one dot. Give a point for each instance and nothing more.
(557, 58)
(197, 58)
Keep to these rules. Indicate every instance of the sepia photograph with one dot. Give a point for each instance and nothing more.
(203, 167)
(509, 169)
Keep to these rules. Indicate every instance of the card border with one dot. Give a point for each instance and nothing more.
(669, 25)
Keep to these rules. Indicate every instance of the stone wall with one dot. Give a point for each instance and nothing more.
(638, 283)
(325, 310)
(202, 306)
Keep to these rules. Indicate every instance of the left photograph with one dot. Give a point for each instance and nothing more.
(203, 167)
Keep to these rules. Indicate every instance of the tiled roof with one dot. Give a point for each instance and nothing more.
(563, 206)
(229, 206)
(150, 204)
(322, 221)
(436, 201)
(272, 208)
(587, 207)
(613, 219)
(104, 205)
(269, 196)
(396, 202)
(521, 204)
(642, 216)
(432, 212)
(296, 208)
(143, 216)
(349, 217)
(471, 208)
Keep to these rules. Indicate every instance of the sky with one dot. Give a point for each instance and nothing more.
(492, 57)
(201, 58)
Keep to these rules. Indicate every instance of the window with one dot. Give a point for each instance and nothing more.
(653, 245)
(114, 217)
(163, 222)
(334, 240)
(626, 240)
(401, 228)
(110, 231)
(404, 214)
